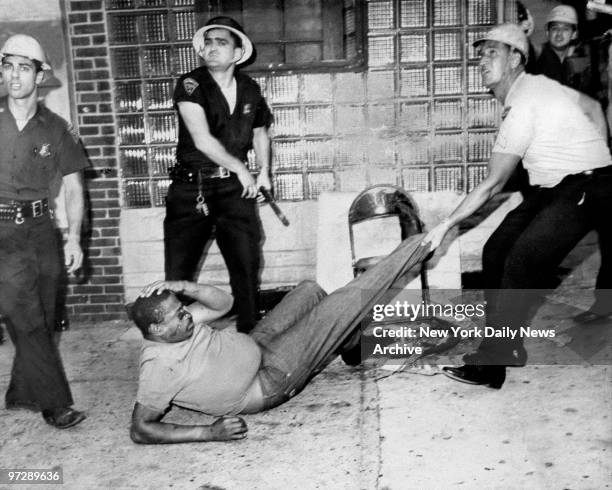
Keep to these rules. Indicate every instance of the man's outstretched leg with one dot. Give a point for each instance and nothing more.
(292, 358)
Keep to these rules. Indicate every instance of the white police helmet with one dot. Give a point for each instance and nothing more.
(26, 46)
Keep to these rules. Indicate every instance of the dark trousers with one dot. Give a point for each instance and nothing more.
(238, 235)
(521, 256)
(29, 273)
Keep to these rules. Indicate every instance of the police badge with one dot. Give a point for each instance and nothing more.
(45, 150)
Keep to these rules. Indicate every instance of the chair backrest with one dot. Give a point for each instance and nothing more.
(384, 201)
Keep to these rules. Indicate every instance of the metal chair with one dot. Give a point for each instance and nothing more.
(380, 202)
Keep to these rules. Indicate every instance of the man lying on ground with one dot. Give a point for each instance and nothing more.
(223, 373)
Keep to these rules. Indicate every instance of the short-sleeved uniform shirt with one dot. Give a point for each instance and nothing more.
(235, 130)
(545, 126)
(210, 372)
(34, 158)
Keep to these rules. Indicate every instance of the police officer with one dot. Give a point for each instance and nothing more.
(222, 115)
(559, 134)
(36, 146)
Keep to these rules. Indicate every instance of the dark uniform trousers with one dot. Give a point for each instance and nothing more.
(521, 256)
(29, 276)
(237, 231)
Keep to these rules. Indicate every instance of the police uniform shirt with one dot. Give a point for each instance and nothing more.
(544, 125)
(31, 159)
(234, 130)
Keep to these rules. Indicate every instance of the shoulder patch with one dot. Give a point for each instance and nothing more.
(73, 132)
(190, 85)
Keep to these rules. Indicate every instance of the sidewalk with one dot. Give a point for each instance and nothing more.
(549, 427)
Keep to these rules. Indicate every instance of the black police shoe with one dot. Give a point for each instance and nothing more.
(64, 417)
(491, 376)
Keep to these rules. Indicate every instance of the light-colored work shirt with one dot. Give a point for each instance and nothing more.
(545, 126)
(210, 372)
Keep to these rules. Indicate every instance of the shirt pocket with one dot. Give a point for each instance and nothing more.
(39, 170)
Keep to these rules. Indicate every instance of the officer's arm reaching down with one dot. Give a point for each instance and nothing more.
(195, 119)
(501, 166)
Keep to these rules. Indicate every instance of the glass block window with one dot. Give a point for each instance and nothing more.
(414, 150)
(448, 114)
(318, 120)
(447, 80)
(446, 12)
(413, 13)
(482, 12)
(448, 179)
(475, 175)
(284, 89)
(475, 80)
(150, 45)
(319, 154)
(480, 145)
(448, 148)
(320, 182)
(447, 46)
(289, 186)
(380, 15)
(287, 155)
(381, 50)
(414, 82)
(418, 114)
(413, 48)
(416, 179)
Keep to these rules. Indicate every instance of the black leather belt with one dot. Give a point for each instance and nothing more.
(178, 173)
(599, 171)
(18, 211)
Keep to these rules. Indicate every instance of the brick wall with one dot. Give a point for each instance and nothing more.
(98, 294)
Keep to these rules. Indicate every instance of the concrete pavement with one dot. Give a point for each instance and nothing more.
(352, 428)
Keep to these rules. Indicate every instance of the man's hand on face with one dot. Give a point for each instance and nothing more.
(249, 187)
(228, 429)
(159, 286)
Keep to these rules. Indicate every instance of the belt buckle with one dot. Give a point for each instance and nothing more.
(37, 208)
(223, 173)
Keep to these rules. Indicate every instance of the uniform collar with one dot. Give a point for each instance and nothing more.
(41, 113)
